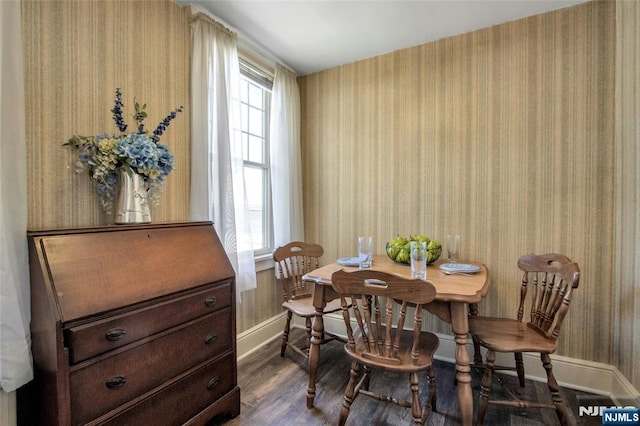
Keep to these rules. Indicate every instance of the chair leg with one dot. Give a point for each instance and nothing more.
(308, 328)
(285, 334)
(477, 355)
(431, 373)
(564, 415)
(486, 386)
(519, 367)
(416, 409)
(349, 393)
(367, 377)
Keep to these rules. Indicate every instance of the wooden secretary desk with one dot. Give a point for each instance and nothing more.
(131, 325)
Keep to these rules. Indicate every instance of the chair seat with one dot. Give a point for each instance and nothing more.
(304, 307)
(509, 335)
(428, 344)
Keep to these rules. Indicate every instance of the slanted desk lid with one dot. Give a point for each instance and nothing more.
(97, 271)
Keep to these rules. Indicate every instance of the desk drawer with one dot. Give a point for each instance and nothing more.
(101, 385)
(89, 340)
(184, 399)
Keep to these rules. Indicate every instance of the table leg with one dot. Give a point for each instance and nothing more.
(314, 354)
(460, 325)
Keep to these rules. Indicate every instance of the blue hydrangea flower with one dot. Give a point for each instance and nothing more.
(138, 151)
(165, 161)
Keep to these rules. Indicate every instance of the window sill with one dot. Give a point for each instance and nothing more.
(264, 262)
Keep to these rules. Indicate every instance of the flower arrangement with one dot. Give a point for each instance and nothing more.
(103, 154)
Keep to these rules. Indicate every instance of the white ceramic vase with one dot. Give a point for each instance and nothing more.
(132, 202)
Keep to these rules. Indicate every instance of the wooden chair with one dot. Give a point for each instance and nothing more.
(294, 260)
(549, 281)
(382, 339)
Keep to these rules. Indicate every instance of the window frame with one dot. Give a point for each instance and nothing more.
(255, 74)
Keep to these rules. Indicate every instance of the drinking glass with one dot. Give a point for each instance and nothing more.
(418, 255)
(365, 251)
(453, 248)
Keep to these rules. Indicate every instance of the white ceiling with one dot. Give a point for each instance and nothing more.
(314, 35)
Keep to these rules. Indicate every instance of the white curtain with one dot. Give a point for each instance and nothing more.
(286, 169)
(217, 178)
(15, 312)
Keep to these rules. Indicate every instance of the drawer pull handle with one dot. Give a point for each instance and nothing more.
(213, 383)
(210, 301)
(115, 334)
(210, 338)
(116, 382)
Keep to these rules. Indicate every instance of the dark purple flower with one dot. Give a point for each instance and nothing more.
(117, 111)
(165, 123)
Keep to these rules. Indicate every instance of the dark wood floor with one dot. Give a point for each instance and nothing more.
(273, 392)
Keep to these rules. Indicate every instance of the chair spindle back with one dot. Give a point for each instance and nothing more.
(293, 261)
(550, 280)
(365, 291)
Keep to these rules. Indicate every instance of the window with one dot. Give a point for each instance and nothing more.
(255, 104)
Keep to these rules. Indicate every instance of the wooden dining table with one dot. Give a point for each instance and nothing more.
(454, 294)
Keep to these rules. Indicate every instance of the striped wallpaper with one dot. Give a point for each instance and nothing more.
(76, 54)
(505, 136)
(626, 312)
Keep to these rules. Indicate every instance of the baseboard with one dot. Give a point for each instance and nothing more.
(251, 340)
(587, 376)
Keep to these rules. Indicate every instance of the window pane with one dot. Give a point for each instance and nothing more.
(255, 95)
(255, 121)
(254, 180)
(255, 150)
